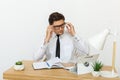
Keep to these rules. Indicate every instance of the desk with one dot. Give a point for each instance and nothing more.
(47, 74)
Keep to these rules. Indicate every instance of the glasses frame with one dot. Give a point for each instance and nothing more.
(57, 27)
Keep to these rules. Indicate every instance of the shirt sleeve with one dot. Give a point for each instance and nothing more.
(80, 44)
(41, 52)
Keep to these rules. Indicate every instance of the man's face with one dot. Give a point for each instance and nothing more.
(58, 27)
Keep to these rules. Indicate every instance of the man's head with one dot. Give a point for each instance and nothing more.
(57, 21)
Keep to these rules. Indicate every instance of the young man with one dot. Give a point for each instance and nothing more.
(61, 40)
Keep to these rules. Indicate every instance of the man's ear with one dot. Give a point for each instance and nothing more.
(52, 27)
(65, 29)
(68, 26)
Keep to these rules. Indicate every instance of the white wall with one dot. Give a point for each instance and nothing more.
(23, 24)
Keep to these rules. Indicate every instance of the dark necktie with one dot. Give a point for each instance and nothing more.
(58, 47)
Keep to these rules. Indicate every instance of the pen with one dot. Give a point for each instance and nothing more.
(48, 65)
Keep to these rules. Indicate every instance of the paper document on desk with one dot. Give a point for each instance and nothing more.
(52, 63)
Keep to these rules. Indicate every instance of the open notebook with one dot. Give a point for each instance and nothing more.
(52, 63)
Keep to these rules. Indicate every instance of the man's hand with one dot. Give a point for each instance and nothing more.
(49, 32)
(70, 28)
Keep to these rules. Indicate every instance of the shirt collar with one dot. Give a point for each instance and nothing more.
(55, 36)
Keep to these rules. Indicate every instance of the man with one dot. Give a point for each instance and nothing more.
(61, 40)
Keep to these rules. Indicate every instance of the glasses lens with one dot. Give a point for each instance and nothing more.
(58, 26)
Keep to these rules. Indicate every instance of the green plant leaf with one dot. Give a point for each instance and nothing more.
(18, 63)
(97, 65)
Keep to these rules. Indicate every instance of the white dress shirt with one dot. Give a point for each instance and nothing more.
(67, 45)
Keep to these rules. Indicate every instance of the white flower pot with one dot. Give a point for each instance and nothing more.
(96, 73)
(18, 67)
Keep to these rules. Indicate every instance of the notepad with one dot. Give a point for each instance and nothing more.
(52, 63)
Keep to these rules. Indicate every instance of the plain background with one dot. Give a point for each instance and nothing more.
(23, 24)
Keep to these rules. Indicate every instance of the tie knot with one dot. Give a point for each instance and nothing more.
(58, 36)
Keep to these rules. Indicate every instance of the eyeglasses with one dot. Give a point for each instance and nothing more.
(57, 27)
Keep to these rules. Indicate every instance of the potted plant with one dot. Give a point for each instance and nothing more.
(19, 65)
(97, 65)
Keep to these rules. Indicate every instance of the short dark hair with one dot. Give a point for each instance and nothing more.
(55, 16)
